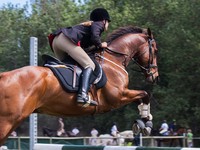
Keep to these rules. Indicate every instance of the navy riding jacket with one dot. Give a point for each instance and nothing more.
(85, 36)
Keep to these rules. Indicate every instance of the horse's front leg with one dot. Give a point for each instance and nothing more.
(135, 96)
(140, 96)
(145, 123)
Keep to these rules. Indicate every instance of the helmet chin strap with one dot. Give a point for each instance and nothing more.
(104, 22)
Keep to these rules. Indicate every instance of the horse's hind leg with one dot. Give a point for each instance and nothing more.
(7, 125)
(5, 129)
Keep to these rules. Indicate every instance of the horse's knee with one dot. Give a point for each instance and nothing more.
(145, 98)
(144, 95)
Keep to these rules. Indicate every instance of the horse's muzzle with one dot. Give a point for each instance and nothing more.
(153, 79)
(157, 79)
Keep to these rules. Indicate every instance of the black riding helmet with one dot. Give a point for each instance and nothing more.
(99, 14)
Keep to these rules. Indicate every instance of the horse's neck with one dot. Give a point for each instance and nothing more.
(125, 49)
(114, 71)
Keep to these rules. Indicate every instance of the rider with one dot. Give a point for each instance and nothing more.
(114, 130)
(72, 40)
(173, 127)
(164, 128)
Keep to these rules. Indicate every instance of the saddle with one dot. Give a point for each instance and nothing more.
(68, 73)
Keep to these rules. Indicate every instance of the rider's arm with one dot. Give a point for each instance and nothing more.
(96, 29)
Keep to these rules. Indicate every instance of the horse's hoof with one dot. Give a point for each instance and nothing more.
(136, 129)
(146, 131)
(149, 124)
(140, 123)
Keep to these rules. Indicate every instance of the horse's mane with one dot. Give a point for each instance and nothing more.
(124, 30)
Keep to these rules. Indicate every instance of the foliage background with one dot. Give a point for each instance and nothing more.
(175, 24)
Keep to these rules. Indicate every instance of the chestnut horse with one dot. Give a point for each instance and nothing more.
(35, 89)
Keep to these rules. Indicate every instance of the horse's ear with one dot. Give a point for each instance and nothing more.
(149, 32)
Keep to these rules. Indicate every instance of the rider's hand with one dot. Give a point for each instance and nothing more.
(104, 45)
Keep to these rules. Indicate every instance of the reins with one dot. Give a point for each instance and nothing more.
(112, 51)
(104, 58)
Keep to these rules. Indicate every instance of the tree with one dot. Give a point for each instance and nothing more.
(175, 26)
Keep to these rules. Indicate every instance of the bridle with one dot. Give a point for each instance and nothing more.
(150, 61)
(136, 58)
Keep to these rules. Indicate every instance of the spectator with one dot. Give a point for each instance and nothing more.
(189, 138)
(61, 130)
(114, 130)
(164, 128)
(94, 133)
(136, 140)
(14, 134)
(173, 127)
(75, 131)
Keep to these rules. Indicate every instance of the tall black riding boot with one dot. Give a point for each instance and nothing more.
(84, 88)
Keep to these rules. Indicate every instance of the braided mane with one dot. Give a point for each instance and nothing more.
(124, 30)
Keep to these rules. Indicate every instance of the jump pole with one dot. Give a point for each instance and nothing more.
(33, 116)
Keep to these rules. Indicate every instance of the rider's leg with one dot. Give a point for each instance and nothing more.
(63, 44)
(83, 91)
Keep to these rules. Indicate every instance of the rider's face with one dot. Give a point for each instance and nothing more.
(106, 24)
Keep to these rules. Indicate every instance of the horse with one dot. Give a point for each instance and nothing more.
(127, 137)
(49, 132)
(173, 142)
(54, 133)
(121, 138)
(104, 140)
(35, 89)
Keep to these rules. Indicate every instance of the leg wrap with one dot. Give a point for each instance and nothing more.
(144, 110)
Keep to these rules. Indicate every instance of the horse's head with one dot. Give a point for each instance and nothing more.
(137, 44)
(146, 57)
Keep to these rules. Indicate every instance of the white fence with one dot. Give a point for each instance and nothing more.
(19, 142)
